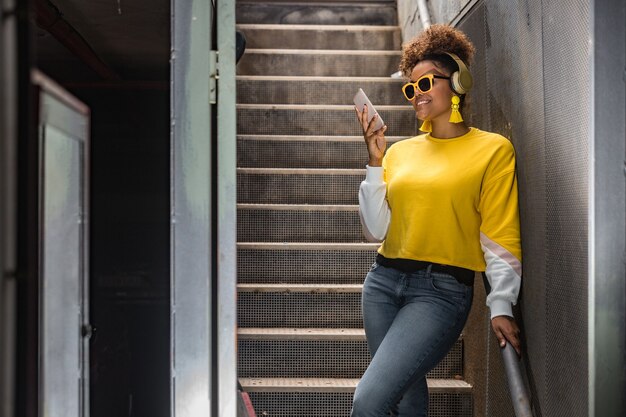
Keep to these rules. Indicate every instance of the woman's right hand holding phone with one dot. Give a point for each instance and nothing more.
(374, 139)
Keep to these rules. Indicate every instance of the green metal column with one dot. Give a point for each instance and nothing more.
(191, 225)
(226, 210)
(203, 222)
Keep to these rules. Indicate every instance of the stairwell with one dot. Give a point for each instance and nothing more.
(301, 254)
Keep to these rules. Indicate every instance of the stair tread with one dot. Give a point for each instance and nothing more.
(280, 138)
(386, 107)
(306, 288)
(258, 333)
(322, 78)
(302, 171)
(332, 246)
(342, 52)
(338, 385)
(345, 28)
(299, 207)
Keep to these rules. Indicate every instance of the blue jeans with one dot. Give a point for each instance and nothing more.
(411, 322)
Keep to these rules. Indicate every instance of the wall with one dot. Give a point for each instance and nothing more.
(129, 251)
(533, 85)
(441, 11)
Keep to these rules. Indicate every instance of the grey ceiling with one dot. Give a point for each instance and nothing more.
(132, 37)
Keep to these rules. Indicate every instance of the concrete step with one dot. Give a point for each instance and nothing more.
(298, 186)
(314, 152)
(319, 120)
(277, 36)
(319, 62)
(301, 263)
(278, 89)
(317, 13)
(328, 353)
(298, 223)
(329, 397)
(299, 305)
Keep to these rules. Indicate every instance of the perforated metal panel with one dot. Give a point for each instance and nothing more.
(567, 131)
(315, 121)
(335, 90)
(323, 359)
(299, 310)
(362, 13)
(534, 54)
(298, 226)
(328, 63)
(291, 188)
(339, 404)
(297, 154)
(303, 266)
(321, 37)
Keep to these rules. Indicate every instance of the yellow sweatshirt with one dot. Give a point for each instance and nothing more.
(449, 201)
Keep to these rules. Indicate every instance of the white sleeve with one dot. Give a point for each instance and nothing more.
(504, 273)
(373, 207)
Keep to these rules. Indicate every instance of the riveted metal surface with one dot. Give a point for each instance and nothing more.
(310, 120)
(318, 90)
(292, 188)
(303, 266)
(294, 404)
(323, 359)
(299, 310)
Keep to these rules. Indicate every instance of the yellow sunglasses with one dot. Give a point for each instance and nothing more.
(423, 84)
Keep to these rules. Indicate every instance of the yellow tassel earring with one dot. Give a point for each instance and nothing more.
(455, 116)
(427, 126)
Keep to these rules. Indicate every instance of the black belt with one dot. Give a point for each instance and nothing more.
(463, 275)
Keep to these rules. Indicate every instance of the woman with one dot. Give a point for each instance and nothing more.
(445, 205)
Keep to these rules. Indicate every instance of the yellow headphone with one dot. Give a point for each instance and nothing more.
(461, 81)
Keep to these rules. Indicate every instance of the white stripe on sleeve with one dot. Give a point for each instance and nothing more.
(504, 273)
(373, 207)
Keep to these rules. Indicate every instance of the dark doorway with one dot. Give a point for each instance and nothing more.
(114, 56)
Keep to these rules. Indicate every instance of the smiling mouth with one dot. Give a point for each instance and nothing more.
(422, 101)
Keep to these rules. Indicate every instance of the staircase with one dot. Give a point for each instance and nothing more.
(301, 157)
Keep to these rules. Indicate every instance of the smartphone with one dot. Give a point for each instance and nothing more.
(360, 99)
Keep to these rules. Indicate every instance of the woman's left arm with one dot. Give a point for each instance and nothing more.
(500, 242)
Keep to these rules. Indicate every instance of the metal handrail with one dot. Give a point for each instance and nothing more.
(517, 388)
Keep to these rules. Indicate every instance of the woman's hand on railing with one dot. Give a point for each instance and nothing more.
(506, 330)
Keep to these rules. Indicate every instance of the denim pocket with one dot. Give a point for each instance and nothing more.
(447, 283)
(374, 266)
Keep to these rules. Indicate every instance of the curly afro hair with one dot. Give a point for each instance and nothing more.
(432, 44)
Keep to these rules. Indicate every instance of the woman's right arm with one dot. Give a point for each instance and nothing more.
(373, 207)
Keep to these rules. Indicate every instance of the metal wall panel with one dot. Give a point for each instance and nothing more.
(191, 209)
(63, 245)
(61, 296)
(534, 56)
(8, 205)
(514, 43)
(567, 100)
(226, 212)
(607, 222)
